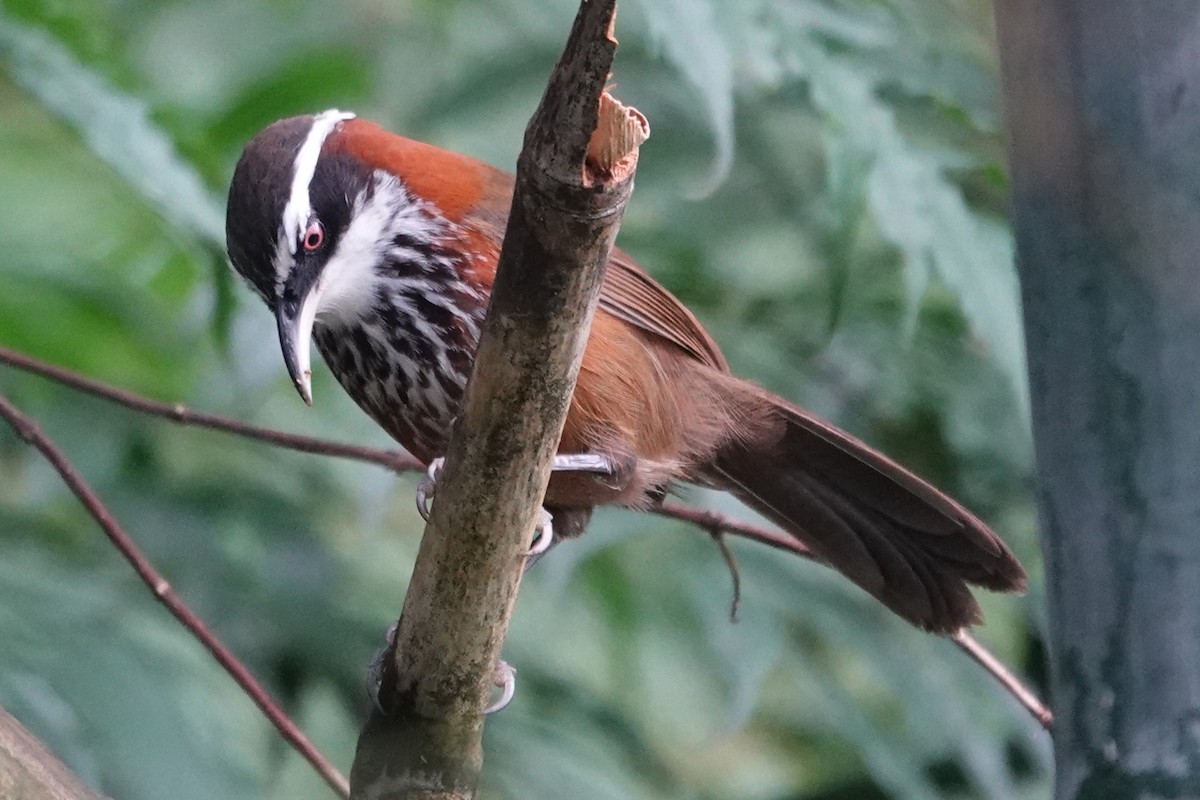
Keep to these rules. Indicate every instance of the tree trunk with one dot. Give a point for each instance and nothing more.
(1103, 112)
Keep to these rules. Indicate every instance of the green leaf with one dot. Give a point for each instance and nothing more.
(116, 127)
(921, 212)
(103, 674)
(689, 35)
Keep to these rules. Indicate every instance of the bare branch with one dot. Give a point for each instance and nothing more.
(718, 537)
(392, 459)
(711, 521)
(984, 658)
(716, 524)
(704, 519)
(165, 594)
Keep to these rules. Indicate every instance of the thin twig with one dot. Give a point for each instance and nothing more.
(715, 522)
(984, 658)
(717, 526)
(392, 459)
(399, 462)
(718, 536)
(162, 590)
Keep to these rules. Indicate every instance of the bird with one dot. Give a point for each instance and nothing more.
(382, 251)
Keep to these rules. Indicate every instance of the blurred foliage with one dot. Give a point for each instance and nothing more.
(823, 186)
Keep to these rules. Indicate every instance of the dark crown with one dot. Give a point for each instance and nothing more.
(257, 196)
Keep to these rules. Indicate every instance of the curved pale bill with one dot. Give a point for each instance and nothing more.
(295, 335)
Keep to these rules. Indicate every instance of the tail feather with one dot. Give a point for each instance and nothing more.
(899, 538)
(908, 582)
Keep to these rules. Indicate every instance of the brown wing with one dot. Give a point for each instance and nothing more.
(631, 295)
(628, 293)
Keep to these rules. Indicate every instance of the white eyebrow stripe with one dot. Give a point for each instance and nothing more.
(298, 208)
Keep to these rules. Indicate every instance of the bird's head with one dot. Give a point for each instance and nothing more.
(324, 208)
(290, 211)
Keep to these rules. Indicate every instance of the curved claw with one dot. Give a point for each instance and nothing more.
(543, 535)
(374, 676)
(427, 487)
(506, 679)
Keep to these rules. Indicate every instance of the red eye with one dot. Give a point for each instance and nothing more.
(314, 237)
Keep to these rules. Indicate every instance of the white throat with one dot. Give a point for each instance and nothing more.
(384, 216)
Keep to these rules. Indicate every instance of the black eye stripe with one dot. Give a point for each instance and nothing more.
(337, 182)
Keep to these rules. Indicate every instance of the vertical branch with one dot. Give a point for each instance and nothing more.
(573, 179)
(1103, 107)
(29, 769)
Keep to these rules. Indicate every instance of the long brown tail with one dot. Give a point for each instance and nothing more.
(905, 542)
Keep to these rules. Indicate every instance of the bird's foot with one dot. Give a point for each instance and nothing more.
(543, 534)
(571, 462)
(377, 666)
(427, 486)
(586, 462)
(504, 677)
